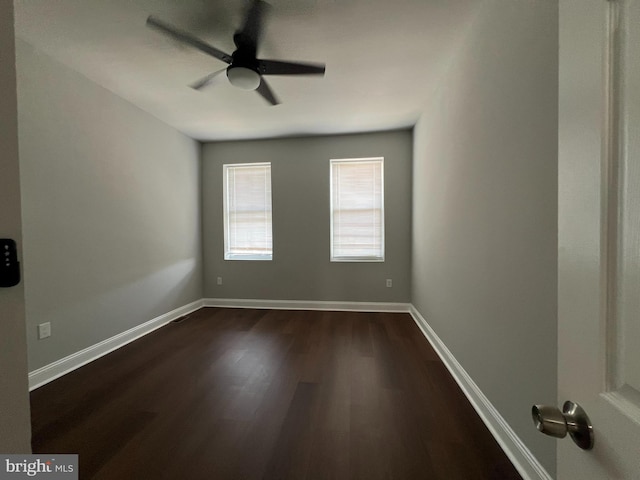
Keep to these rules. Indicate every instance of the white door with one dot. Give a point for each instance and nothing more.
(599, 233)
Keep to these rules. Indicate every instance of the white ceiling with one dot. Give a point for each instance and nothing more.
(383, 59)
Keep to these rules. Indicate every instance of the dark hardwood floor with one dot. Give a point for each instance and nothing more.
(269, 394)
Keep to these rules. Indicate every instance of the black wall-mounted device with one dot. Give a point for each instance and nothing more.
(9, 265)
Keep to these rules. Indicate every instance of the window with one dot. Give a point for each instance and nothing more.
(247, 211)
(357, 210)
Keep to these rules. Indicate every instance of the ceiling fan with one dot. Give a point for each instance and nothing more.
(245, 70)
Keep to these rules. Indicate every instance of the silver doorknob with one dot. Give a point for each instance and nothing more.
(572, 420)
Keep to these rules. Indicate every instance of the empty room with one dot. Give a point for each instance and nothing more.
(319, 239)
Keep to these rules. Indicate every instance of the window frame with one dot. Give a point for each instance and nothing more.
(355, 258)
(225, 208)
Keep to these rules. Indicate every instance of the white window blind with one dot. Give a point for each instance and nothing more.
(247, 212)
(357, 210)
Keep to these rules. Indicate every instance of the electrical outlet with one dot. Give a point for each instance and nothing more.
(44, 330)
(219, 280)
(389, 283)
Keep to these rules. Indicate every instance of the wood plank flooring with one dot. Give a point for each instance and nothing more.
(269, 394)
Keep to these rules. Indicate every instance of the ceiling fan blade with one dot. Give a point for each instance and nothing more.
(204, 81)
(188, 38)
(249, 36)
(275, 67)
(266, 92)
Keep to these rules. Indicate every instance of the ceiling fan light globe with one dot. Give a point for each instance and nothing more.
(243, 78)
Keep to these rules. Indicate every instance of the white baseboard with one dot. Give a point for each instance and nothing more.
(523, 460)
(307, 305)
(50, 372)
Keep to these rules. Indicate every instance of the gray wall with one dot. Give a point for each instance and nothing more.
(110, 210)
(485, 210)
(301, 269)
(15, 428)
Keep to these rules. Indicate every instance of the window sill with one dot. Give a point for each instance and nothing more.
(357, 259)
(254, 257)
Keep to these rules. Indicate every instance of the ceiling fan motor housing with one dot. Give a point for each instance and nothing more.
(243, 77)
